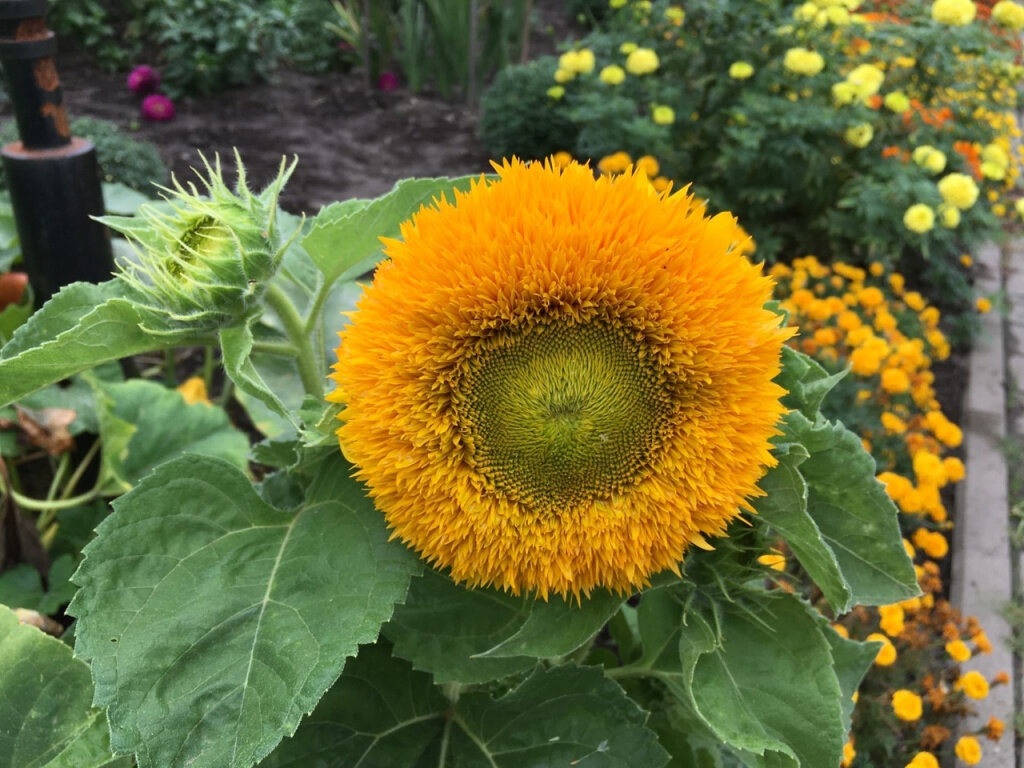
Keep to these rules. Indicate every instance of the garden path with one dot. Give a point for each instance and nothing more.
(987, 559)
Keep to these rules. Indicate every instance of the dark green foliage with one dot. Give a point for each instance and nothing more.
(122, 159)
(519, 118)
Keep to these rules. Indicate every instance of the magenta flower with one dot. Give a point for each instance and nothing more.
(387, 81)
(143, 80)
(157, 107)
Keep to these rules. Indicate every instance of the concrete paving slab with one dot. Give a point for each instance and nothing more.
(982, 569)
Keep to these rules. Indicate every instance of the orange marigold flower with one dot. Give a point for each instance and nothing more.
(973, 684)
(994, 728)
(934, 736)
(968, 749)
(537, 391)
(923, 760)
(886, 655)
(958, 650)
(907, 705)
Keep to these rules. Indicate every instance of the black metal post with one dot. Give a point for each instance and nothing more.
(53, 177)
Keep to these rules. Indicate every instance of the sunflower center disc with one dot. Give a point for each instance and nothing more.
(564, 414)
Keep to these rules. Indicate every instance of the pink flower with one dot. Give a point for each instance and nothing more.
(143, 80)
(387, 81)
(157, 107)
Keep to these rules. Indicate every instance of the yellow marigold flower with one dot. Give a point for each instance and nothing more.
(675, 14)
(564, 75)
(806, 12)
(968, 749)
(919, 218)
(859, 135)
(982, 642)
(923, 760)
(958, 650)
(995, 154)
(614, 163)
(849, 320)
(580, 62)
(648, 165)
(993, 171)
(870, 297)
(627, 48)
(849, 753)
(895, 381)
(949, 216)
(661, 184)
(642, 61)
(973, 684)
(891, 619)
(896, 282)
(612, 74)
(954, 469)
(866, 80)
(561, 159)
(193, 390)
(893, 423)
(956, 13)
(896, 101)
(865, 361)
(886, 655)
(911, 553)
(741, 70)
(841, 630)
(914, 300)
(896, 486)
(774, 560)
(1008, 14)
(928, 469)
(843, 93)
(803, 61)
(556, 92)
(906, 705)
(934, 544)
(1018, 206)
(966, 260)
(617, 3)
(838, 16)
(876, 268)
(534, 395)
(958, 189)
(982, 304)
(663, 115)
(928, 157)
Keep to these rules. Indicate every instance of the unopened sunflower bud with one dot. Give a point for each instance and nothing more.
(204, 258)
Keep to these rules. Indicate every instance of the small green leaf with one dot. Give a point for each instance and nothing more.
(770, 685)
(45, 703)
(80, 327)
(123, 200)
(852, 661)
(344, 241)
(214, 622)
(856, 517)
(22, 587)
(236, 350)
(806, 382)
(144, 424)
(784, 508)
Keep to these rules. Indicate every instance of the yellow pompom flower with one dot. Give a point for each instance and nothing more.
(893, 423)
(1008, 14)
(740, 70)
(866, 79)
(919, 218)
(896, 101)
(627, 48)
(774, 560)
(859, 135)
(617, 3)
(193, 390)
(642, 61)
(968, 749)
(956, 13)
(973, 684)
(612, 75)
(958, 189)
(886, 655)
(556, 92)
(895, 381)
(906, 705)
(538, 394)
(928, 157)
(564, 75)
(803, 61)
(617, 162)
(891, 619)
(923, 760)
(949, 216)
(663, 115)
(849, 753)
(958, 651)
(983, 305)
(579, 62)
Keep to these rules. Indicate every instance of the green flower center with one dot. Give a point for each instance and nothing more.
(202, 240)
(564, 413)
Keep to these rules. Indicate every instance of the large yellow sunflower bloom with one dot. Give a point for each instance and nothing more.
(558, 383)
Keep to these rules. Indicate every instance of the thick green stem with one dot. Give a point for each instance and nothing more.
(297, 335)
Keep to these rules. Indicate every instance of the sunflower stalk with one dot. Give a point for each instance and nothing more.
(295, 329)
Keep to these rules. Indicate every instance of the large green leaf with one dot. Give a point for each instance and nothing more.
(214, 621)
(784, 508)
(852, 661)
(80, 327)
(46, 713)
(857, 519)
(144, 424)
(770, 684)
(384, 713)
(474, 635)
(344, 241)
(805, 381)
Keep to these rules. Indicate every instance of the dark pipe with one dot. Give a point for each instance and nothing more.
(53, 177)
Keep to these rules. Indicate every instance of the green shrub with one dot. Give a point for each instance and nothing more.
(122, 159)
(519, 118)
